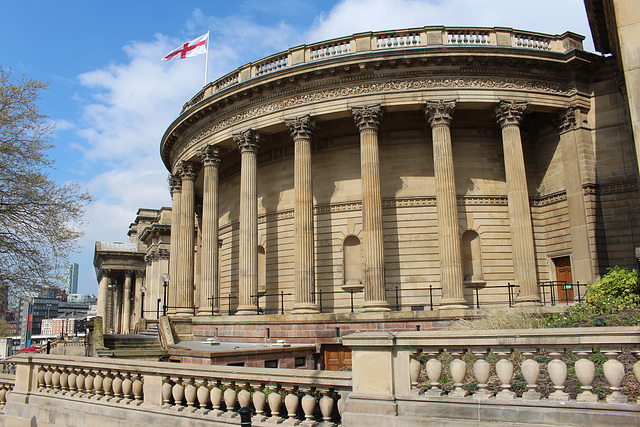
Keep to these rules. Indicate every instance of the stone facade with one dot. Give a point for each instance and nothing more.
(397, 171)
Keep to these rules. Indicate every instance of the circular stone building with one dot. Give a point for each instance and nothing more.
(404, 171)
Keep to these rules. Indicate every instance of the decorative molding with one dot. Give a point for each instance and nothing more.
(395, 85)
(439, 113)
(549, 199)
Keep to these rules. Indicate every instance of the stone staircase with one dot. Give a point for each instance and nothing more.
(143, 345)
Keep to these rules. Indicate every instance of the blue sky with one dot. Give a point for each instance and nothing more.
(112, 98)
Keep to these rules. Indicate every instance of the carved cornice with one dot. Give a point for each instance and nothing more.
(210, 155)
(367, 118)
(248, 141)
(549, 199)
(439, 113)
(509, 113)
(301, 127)
(259, 107)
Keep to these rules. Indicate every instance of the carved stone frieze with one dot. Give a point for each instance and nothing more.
(248, 141)
(256, 109)
(509, 113)
(367, 117)
(301, 127)
(439, 113)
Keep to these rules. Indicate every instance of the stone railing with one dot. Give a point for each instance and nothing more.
(202, 392)
(389, 364)
(7, 381)
(391, 40)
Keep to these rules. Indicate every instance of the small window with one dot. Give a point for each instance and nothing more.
(270, 363)
(300, 361)
(236, 364)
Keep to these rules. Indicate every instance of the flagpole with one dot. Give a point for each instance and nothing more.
(206, 63)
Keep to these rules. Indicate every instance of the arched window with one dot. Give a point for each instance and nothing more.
(471, 257)
(352, 262)
(262, 271)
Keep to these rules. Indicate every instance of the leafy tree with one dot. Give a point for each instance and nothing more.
(40, 220)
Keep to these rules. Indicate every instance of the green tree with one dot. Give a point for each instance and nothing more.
(40, 220)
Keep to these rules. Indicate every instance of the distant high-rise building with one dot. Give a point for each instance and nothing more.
(71, 278)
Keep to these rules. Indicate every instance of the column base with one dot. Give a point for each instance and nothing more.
(453, 304)
(305, 308)
(208, 313)
(530, 300)
(370, 306)
(246, 310)
(183, 312)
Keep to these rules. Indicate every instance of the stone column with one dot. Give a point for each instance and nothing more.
(581, 262)
(209, 287)
(439, 115)
(103, 296)
(248, 144)
(301, 130)
(175, 181)
(509, 115)
(368, 120)
(126, 315)
(184, 285)
(138, 293)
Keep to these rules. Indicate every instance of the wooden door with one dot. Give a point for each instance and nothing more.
(336, 356)
(565, 281)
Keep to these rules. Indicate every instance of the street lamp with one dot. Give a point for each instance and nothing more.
(165, 281)
(143, 290)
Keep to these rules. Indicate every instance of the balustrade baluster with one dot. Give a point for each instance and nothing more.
(73, 388)
(89, 384)
(308, 406)
(585, 372)
(557, 374)
(636, 371)
(458, 369)
(481, 371)
(275, 403)
(137, 388)
(42, 371)
(215, 394)
(230, 397)
(80, 383)
(434, 371)
(107, 386)
(530, 371)
(3, 396)
(64, 380)
(117, 386)
(98, 385)
(414, 372)
(178, 395)
(504, 370)
(127, 385)
(244, 397)
(202, 394)
(167, 388)
(55, 379)
(614, 373)
(326, 407)
(259, 401)
(47, 379)
(291, 402)
(190, 395)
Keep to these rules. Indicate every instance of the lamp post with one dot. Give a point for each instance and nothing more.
(143, 291)
(165, 281)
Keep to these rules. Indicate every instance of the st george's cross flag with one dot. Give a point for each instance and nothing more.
(193, 48)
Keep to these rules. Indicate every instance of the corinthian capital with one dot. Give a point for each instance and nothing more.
(175, 183)
(301, 127)
(439, 112)
(210, 155)
(367, 117)
(249, 140)
(509, 113)
(567, 120)
(188, 170)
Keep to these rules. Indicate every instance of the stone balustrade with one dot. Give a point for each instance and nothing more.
(426, 37)
(203, 392)
(388, 364)
(6, 386)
